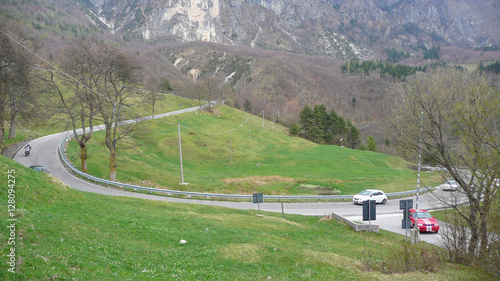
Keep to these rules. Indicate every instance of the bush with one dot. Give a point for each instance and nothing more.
(411, 258)
(294, 129)
(407, 258)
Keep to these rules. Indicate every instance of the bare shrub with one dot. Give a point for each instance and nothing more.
(407, 258)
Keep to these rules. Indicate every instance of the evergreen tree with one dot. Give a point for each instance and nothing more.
(370, 144)
(432, 53)
(339, 124)
(352, 135)
(306, 119)
(320, 121)
(165, 85)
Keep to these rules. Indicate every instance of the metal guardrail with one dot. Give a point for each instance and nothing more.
(189, 194)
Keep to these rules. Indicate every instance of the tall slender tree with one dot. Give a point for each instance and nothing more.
(453, 117)
(120, 73)
(79, 97)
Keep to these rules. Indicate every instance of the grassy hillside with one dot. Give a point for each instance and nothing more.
(137, 106)
(222, 155)
(62, 233)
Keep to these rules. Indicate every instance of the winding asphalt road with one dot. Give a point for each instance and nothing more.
(45, 152)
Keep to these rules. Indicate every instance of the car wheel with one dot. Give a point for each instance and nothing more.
(384, 201)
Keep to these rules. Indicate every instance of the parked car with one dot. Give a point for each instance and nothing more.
(370, 194)
(425, 221)
(450, 185)
(39, 168)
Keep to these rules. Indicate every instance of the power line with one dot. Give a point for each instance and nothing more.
(218, 133)
(54, 67)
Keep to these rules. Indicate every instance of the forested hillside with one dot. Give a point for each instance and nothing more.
(256, 78)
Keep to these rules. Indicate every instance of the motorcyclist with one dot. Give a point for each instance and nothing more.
(27, 149)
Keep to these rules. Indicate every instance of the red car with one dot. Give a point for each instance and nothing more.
(425, 222)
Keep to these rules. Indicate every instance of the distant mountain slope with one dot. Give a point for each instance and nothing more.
(278, 55)
(338, 28)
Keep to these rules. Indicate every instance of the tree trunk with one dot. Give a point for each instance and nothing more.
(483, 234)
(13, 127)
(474, 233)
(2, 115)
(483, 227)
(2, 125)
(112, 163)
(83, 157)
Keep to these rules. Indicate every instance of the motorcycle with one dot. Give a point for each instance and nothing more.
(26, 152)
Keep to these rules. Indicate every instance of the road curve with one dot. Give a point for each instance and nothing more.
(45, 152)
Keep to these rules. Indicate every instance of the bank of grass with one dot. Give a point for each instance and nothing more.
(20, 136)
(64, 234)
(254, 157)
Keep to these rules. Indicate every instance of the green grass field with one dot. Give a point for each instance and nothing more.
(64, 234)
(250, 158)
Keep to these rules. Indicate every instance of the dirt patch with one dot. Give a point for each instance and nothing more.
(320, 190)
(258, 180)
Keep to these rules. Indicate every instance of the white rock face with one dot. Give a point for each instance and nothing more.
(188, 20)
(309, 26)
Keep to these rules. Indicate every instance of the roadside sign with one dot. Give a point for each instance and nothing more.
(369, 210)
(258, 198)
(406, 205)
(405, 223)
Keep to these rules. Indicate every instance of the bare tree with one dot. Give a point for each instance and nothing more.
(15, 79)
(119, 73)
(79, 96)
(460, 117)
(157, 87)
(209, 88)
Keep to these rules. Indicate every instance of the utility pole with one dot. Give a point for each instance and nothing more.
(180, 154)
(419, 156)
(416, 230)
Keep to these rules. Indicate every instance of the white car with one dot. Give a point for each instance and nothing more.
(450, 185)
(370, 194)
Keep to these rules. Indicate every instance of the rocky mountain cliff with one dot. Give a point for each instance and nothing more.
(337, 28)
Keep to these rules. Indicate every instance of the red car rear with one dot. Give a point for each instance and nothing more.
(425, 221)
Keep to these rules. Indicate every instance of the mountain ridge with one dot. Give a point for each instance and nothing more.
(270, 76)
(338, 28)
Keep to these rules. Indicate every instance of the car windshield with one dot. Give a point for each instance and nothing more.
(365, 192)
(424, 215)
(452, 182)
